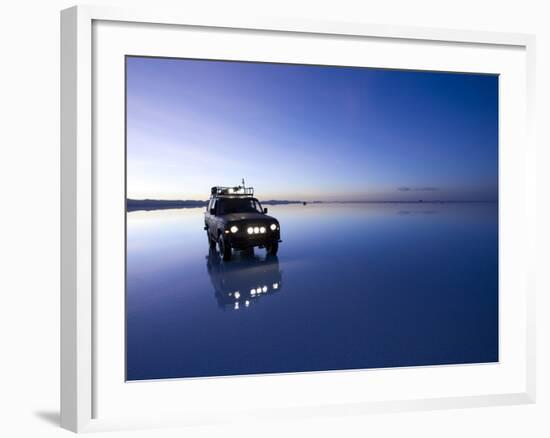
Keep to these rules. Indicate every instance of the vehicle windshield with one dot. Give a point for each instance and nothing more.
(239, 205)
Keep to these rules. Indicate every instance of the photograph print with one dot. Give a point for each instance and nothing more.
(288, 218)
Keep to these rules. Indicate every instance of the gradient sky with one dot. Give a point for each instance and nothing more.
(309, 132)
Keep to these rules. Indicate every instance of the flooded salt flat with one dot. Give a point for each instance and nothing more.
(353, 286)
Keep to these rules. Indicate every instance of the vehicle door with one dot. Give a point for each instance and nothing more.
(207, 214)
(211, 219)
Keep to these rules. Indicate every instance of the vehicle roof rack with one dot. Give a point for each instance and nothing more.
(236, 191)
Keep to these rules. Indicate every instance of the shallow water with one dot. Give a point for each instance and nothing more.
(353, 286)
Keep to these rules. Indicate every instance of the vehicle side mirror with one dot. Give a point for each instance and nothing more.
(265, 210)
(212, 211)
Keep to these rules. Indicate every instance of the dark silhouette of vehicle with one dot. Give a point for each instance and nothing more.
(244, 281)
(235, 220)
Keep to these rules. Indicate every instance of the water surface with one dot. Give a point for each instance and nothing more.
(354, 286)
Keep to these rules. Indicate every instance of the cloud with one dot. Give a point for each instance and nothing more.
(417, 189)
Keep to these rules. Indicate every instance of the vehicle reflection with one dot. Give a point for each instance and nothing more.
(243, 281)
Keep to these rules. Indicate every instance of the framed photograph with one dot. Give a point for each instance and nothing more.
(280, 218)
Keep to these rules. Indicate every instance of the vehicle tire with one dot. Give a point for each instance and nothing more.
(213, 259)
(211, 242)
(272, 248)
(224, 248)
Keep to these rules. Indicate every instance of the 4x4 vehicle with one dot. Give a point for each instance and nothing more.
(235, 219)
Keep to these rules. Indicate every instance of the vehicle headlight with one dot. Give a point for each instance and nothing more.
(273, 227)
(234, 229)
(250, 230)
(256, 230)
(262, 229)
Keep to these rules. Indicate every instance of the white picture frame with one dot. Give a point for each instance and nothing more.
(79, 227)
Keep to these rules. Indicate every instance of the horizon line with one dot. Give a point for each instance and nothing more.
(362, 201)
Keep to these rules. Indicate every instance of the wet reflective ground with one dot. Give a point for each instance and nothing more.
(353, 286)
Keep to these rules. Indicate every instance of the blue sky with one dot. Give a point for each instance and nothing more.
(309, 132)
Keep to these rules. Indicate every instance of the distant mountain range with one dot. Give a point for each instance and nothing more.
(163, 204)
(160, 204)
